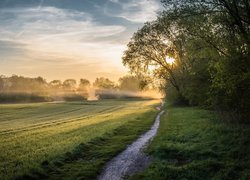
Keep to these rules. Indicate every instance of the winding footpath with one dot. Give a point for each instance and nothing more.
(132, 159)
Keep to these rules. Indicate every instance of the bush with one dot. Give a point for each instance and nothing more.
(74, 97)
(22, 98)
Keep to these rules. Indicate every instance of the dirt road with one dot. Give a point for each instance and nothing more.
(132, 159)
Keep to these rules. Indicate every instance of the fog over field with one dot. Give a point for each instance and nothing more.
(23, 89)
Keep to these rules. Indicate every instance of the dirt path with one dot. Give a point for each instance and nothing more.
(132, 159)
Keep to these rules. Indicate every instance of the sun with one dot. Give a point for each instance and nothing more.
(170, 60)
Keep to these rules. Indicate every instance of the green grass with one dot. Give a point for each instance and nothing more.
(194, 144)
(67, 139)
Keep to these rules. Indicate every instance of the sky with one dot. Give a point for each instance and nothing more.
(61, 39)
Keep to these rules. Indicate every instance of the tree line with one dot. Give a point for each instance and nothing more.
(24, 89)
(209, 40)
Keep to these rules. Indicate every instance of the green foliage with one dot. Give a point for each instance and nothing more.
(230, 88)
(210, 42)
(130, 83)
(192, 144)
(174, 97)
(69, 85)
(56, 84)
(104, 83)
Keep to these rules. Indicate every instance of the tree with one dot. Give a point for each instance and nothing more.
(209, 40)
(1, 83)
(147, 50)
(133, 83)
(69, 85)
(105, 88)
(104, 83)
(83, 87)
(154, 43)
(56, 84)
(225, 27)
(83, 84)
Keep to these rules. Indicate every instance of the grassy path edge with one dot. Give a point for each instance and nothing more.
(193, 143)
(132, 159)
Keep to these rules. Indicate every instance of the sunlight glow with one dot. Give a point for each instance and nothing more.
(170, 60)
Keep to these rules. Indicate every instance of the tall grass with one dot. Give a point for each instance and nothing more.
(194, 144)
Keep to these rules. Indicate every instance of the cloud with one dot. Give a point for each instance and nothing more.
(138, 11)
(9, 48)
(50, 37)
(115, 1)
(61, 32)
(49, 22)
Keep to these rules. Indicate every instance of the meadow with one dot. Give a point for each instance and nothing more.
(46, 140)
(194, 143)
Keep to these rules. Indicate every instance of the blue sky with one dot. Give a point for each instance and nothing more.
(59, 39)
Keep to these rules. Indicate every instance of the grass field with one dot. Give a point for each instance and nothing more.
(194, 144)
(55, 140)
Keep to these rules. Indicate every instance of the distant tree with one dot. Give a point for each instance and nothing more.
(69, 85)
(105, 88)
(132, 83)
(40, 80)
(104, 83)
(56, 84)
(40, 84)
(1, 83)
(23, 89)
(83, 84)
(83, 87)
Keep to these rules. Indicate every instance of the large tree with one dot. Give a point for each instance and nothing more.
(209, 40)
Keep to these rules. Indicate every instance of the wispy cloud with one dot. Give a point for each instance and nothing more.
(51, 34)
(54, 30)
(52, 38)
(138, 11)
(50, 22)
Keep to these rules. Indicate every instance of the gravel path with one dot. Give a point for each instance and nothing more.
(132, 159)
